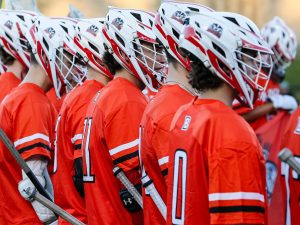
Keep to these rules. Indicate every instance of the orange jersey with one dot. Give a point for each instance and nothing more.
(69, 129)
(57, 103)
(28, 119)
(111, 138)
(271, 90)
(154, 143)
(290, 180)
(8, 81)
(216, 168)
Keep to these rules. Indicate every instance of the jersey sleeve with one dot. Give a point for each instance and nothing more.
(32, 129)
(237, 193)
(76, 124)
(122, 135)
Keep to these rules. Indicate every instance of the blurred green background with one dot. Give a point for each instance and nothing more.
(293, 77)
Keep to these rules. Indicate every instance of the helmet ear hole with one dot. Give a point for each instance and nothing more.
(46, 44)
(176, 34)
(218, 49)
(120, 39)
(224, 68)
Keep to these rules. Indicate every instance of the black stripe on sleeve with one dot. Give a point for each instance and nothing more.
(77, 147)
(36, 145)
(239, 208)
(164, 172)
(126, 157)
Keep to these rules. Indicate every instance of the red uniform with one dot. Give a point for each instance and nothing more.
(28, 119)
(155, 146)
(290, 180)
(272, 89)
(216, 168)
(55, 101)
(8, 81)
(111, 138)
(69, 131)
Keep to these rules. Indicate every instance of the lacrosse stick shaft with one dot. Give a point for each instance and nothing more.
(157, 199)
(23, 164)
(118, 172)
(56, 209)
(286, 155)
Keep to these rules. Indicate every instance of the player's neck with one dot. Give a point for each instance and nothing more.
(95, 75)
(178, 74)
(224, 94)
(17, 69)
(38, 76)
(125, 74)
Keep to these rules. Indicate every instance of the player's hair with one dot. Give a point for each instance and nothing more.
(203, 79)
(6, 58)
(111, 63)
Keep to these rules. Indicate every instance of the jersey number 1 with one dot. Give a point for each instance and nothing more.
(87, 176)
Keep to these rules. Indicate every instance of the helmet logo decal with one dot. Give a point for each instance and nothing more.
(8, 24)
(179, 16)
(118, 23)
(215, 29)
(50, 31)
(93, 30)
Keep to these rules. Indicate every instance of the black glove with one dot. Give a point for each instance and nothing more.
(78, 177)
(128, 201)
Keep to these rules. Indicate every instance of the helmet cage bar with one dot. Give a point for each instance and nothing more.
(75, 72)
(160, 76)
(260, 74)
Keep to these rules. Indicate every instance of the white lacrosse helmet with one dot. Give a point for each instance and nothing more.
(52, 42)
(90, 45)
(230, 45)
(283, 42)
(13, 26)
(128, 31)
(169, 23)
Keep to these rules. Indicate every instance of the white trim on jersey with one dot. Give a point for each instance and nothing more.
(236, 196)
(31, 138)
(123, 147)
(163, 160)
(285, 170)
(76, 138)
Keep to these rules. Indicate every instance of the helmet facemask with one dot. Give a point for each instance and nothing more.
(71, 67)
(152, 60)
(255, 66)
(280, 60)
